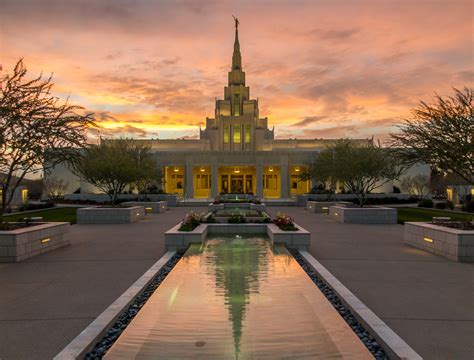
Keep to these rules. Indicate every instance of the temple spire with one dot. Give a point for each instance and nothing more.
(236, 57)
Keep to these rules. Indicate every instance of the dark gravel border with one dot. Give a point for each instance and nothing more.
(127, 316)
(367, 339)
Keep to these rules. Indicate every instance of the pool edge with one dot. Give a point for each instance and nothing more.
(87, 338)
(394, 346)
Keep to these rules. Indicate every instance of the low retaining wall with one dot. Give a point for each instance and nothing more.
(110, 215)
(323, 206)
(365, 215)
(222, 206)
(453, 244)
(154, 207)
(303, 198)
(172, 200)
(20, 244)
(180, 240)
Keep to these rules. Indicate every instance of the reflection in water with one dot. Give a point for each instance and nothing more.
(237, 298)
(239, 266)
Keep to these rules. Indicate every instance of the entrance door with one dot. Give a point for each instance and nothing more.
(248, 184)
(225, 183)
(237, 183)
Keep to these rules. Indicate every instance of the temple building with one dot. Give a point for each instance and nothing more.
(235, 153)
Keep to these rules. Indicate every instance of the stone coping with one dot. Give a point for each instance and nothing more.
(394, 345)
(441, 228)
(363, 215)
(88, 337)
(110, 215)
(40, 226)
(156, 207)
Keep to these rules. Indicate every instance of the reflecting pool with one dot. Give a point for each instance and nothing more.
(238, 298)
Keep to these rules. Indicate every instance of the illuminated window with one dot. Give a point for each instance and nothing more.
(226, 133)
(24, 196)
(247, 133)
(177, 181)
(236, 130)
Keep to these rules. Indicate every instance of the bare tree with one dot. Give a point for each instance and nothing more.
(34, 125)
(418, 185)
(440, 134)
(54, 187)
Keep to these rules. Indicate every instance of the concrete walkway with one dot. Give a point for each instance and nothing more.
(46, 301)
(426, 299)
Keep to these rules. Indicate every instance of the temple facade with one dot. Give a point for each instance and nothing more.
(235, 153)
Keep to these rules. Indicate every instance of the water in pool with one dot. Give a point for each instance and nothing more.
(237, 298)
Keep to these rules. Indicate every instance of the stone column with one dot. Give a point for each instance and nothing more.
(259, 180)
(284, 181)
(214, 180)
(188, 181)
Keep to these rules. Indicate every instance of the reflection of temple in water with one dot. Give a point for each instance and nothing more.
(239, 265)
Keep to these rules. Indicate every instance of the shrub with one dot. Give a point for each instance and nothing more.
(236, 219)
(427, 203)
(284, 222)
(191, 221)
(396, 190)
(441, 205)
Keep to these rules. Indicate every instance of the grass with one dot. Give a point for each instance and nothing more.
(55, 214)
(416, 214)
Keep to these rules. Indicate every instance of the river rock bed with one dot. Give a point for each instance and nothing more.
(127, 316)
(368, 340)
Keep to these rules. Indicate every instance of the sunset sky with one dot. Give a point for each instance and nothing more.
(321, 69)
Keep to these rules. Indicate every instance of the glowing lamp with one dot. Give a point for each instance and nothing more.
(428, 239)
(45, 240)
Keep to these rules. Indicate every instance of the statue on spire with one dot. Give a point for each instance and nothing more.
(236, 21)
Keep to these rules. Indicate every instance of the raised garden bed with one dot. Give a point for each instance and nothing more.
(153, 207)
(453, 244)
(28, 241)
(110, 215)
(364, 215)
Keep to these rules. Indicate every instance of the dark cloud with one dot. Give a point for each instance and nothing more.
(309, 121)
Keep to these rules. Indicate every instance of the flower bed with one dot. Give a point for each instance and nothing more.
(284, 222)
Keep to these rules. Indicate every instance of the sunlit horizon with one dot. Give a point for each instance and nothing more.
(320, 69)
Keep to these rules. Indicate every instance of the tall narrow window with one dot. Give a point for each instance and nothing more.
(236, 105)
(236, 131)
(247, 133)
(226, 133)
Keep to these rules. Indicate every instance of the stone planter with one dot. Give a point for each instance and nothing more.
(153, 207)
(180, 240)
(300, 239)
(20, 244)
(365, 215)
(110, 215)
(323, 206)
(453, 244)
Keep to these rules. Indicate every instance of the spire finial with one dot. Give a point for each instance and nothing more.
(236, 21)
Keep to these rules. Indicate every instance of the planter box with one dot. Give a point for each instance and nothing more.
(20, 244)
(153, 207)
(104, 215)
(365, 215)
(453, 244)
(300, 239)
(180, 240)
(323, 206)
(172, 200)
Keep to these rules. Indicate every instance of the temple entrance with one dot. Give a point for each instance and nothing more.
(238, 179)
(237, 184)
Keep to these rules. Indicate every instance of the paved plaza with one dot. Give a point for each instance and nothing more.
(47, 300)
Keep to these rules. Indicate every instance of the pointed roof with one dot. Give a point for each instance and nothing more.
(236, 57)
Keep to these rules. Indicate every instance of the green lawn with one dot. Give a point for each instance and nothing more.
(416, 214)
(54, 214)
